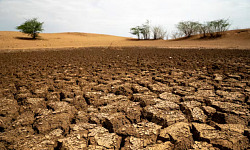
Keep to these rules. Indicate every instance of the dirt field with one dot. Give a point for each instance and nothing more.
(237, 39)
(125, 98)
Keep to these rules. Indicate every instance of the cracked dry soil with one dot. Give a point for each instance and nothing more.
(126, 98)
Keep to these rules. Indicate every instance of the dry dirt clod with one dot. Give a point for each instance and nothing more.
(223, 139)
(131, 98)
(180, 134)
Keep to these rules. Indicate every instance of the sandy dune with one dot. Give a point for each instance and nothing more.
(235, 39)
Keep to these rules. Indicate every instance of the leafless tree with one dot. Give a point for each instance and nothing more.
(176, 35)
(158, 32)
(203, 29)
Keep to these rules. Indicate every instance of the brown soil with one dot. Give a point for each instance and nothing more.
(124, 98)
(237, 39)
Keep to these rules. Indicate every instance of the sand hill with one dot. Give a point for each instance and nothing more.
(235, 39)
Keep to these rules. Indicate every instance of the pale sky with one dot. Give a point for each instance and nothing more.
(116, 17)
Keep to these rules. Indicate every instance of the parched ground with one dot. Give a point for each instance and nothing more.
(125, 98)
(235, 39)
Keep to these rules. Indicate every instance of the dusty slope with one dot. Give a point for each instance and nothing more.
(239, 39)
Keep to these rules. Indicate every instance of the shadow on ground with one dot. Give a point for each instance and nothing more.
(28, 38)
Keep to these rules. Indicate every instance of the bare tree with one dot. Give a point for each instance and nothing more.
(166, 36)
(163, 33)
(203, 29)
(158, 32)
(155, 31)
(176, 35)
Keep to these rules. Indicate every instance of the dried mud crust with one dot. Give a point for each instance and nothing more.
(130, 98)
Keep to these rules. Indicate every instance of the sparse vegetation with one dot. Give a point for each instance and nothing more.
(203, 29)
(31, 27)
(141, 31)
(145, 30)
(217, 27)
(188, 28)
(176, 35)
(158, 32)
(212, 29)
(135, 31)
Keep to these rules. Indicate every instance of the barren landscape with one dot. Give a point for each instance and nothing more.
(90, 91)
(235, 39)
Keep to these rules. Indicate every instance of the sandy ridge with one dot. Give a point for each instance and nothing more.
(11, 40)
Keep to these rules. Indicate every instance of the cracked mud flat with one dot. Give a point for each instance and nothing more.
(126, 98)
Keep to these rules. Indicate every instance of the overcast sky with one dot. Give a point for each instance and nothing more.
(116, 17)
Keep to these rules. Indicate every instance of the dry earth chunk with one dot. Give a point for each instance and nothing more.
(205, 93)
(132, 110)
(158, 88)
(192, 110)
(136, 88)
(209, 110)
(163, 117)
(26, 118)
(232, 127)
(170, 97)
(163, 146)
(199, 145)
(73, 141)
(180, 133)
(100, 136)
(223, 139)
(147, 130)
(53, 121)
(8, 107)
(230, 107)
(145, 99)
(232, 96)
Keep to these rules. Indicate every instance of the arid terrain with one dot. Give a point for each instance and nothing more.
(122, 97)
(236, 39)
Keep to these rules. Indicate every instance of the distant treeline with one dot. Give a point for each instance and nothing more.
(212, 29)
